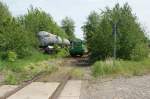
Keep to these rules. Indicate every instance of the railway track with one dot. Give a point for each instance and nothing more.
(9, 93)
(54, 95)
(62, 78)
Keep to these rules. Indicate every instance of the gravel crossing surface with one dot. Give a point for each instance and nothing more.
(119, 88)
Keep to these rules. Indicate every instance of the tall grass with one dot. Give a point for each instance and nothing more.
(125, 68)
(61, 53)
(20, 63)
(23, 69)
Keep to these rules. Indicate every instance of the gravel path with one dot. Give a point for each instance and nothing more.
(120, 88)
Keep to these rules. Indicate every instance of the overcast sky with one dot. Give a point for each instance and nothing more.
(78, 10)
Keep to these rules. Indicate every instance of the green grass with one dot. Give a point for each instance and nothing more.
(19, 63)
(121, 67)
(26, 68)
(61, 53)
(76, 73)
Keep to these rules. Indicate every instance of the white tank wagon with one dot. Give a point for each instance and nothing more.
(59, 40)
(66, 42)
(46, 38)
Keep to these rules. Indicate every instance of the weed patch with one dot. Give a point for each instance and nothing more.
(76, 73)
(125, 68)
(21, 70)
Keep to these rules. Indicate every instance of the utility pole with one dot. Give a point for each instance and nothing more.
(115, 39)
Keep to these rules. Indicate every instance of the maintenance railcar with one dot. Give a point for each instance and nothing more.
(77, 47)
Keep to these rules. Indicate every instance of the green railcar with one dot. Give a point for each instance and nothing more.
(77, 47)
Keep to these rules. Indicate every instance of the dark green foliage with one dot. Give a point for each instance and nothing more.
(69, 27)
(98, 33)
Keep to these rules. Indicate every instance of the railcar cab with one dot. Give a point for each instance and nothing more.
(77, 47)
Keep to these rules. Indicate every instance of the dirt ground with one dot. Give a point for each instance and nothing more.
(119, 88)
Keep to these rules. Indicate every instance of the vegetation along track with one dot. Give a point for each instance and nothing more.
(70, 66)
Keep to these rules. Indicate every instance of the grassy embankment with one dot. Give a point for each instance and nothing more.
(121, 68)
(24, 69)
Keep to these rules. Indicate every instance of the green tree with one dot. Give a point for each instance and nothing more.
(12, 36)
(37, 20)
(18, 34)
(69, 27)
(129, 33)
(4, 13)
(91, 27)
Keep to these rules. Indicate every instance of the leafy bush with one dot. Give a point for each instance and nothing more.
(62, 53)
(12, 56)
(139, 52)
(14, 37)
